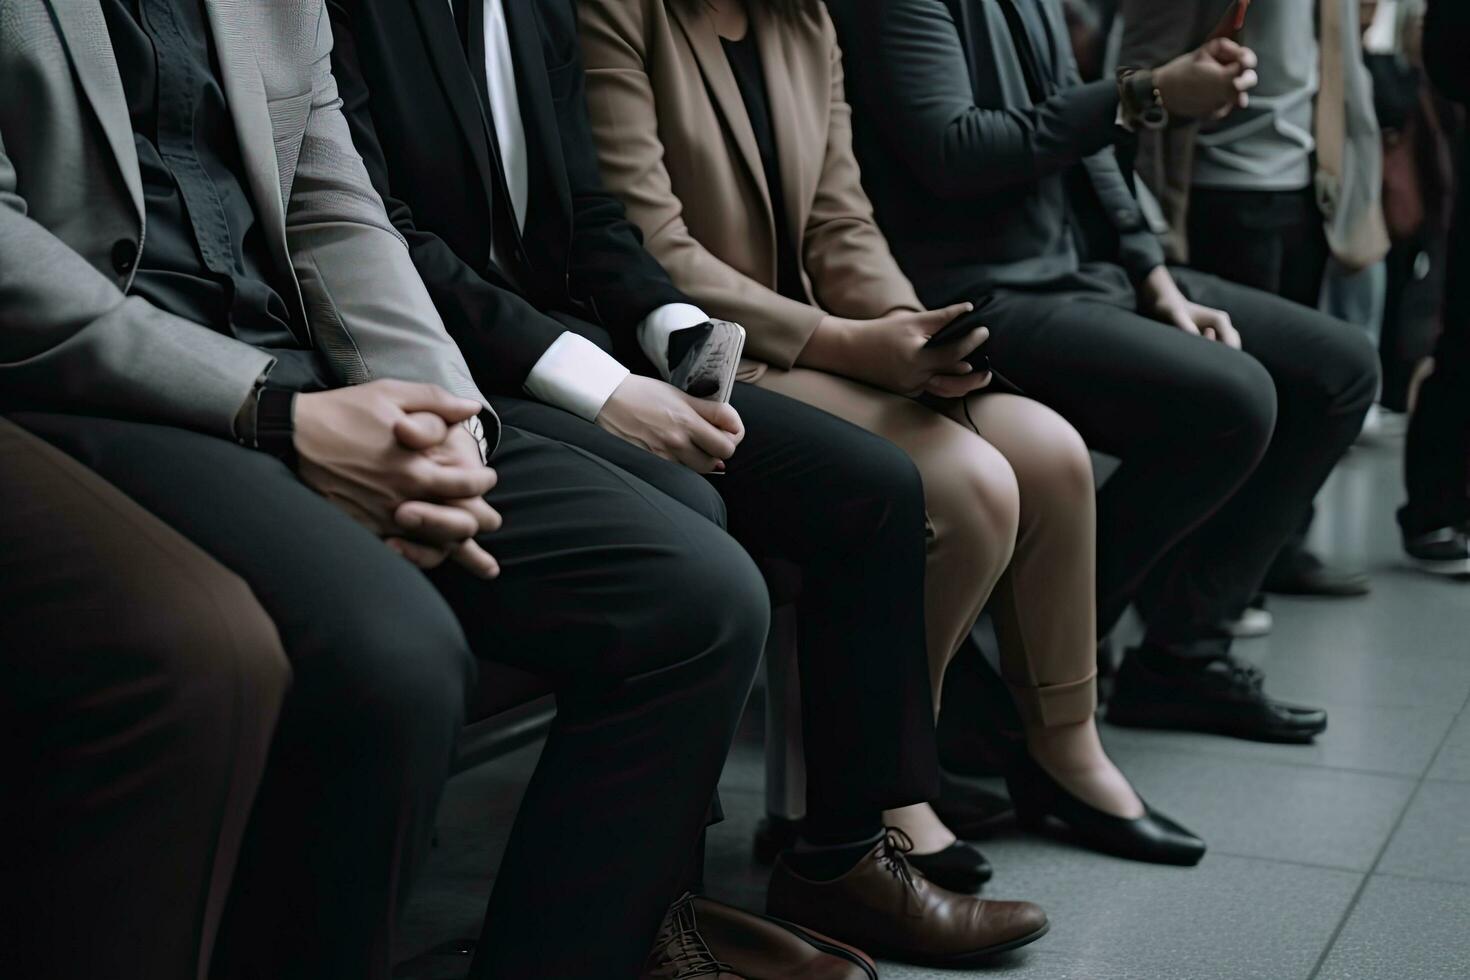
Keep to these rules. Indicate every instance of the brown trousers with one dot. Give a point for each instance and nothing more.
(139, 686)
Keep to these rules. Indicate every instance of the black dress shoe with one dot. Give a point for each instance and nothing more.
(970, 812)
(1299, 572)
(1152, 837)
(1220, 696)
(959, 867)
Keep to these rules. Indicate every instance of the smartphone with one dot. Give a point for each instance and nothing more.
(953, 331)
(1233, 21)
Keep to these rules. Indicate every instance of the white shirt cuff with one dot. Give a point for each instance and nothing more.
(654, 331)
(577, 375)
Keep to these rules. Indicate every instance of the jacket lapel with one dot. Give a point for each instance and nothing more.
(244, 89)
(705, 43)
(441, 36)
(84, 30)
(548, 173)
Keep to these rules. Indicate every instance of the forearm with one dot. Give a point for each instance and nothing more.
(71, 341)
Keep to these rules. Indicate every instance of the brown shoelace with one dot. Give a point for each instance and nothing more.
(681, 946)
(894, 857)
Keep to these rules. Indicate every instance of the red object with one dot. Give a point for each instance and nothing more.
(1233, 20)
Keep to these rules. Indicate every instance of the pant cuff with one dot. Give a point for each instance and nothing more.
(1053, 705)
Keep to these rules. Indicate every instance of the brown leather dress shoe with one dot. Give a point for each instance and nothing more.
(896, 913)
(707, 939)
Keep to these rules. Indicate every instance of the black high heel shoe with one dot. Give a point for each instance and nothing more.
(1152, 837)
(959, 867)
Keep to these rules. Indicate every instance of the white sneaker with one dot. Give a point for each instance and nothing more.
(1251, 624)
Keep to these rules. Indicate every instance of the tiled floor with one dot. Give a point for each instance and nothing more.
(1345, 860)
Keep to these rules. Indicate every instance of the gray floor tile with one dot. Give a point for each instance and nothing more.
(1429, 675)
(1453, 761)
(1395, 741)
(1433, 840)
(1230, 917)
(1404, 930)
(1251, 808)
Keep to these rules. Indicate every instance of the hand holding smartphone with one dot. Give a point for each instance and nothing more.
(961, 326)
(1233, 21)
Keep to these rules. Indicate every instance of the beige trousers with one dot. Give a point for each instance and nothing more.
(1011, 513)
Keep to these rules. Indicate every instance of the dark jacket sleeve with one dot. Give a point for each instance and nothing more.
(916, 70)
(609, 268)
(502, 336)
(1139, 249)
(1446, 29)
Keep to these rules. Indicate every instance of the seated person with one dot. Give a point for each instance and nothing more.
(207, 307)
(724, 129)
(992, 170)
(491, 176)
(142, 682)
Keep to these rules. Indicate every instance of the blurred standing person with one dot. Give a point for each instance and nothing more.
(1268, 195)
(1436, 519)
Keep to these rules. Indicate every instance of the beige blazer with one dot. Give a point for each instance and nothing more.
(72, 219)
(676, 144)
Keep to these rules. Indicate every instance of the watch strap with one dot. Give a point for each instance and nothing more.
(275, 424)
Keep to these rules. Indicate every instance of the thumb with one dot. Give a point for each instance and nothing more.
(420, 430)
(417, 397)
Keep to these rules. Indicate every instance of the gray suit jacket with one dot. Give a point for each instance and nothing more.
(71, 209)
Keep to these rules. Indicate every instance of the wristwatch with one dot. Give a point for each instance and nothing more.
(1141, 104)
(267, 422)
(476, 428)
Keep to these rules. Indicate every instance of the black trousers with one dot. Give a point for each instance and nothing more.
(846, 509)
(1268, 240)
(1221, 450)
(1437, 453)
(649, 619)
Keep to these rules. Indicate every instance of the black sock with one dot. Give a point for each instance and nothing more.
(828, 861)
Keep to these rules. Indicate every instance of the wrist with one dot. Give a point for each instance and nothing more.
(830, 347)
(266, 422)
(1141, 99)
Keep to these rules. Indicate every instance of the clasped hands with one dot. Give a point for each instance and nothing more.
(395, 457)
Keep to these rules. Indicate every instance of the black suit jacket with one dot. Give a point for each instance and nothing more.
(415, 114)
(975, 186)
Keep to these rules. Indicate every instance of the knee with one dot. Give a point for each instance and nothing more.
(887, 495)
(714, 609)
(1350, 375)
(986, 500)
(389, 677)
(1054, 465)
(1236, 405)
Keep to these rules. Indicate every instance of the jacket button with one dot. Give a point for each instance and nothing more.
(124, 255)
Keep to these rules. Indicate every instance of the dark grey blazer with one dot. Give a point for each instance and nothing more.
(974, 186)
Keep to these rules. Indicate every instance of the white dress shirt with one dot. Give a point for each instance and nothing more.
(574, 373)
